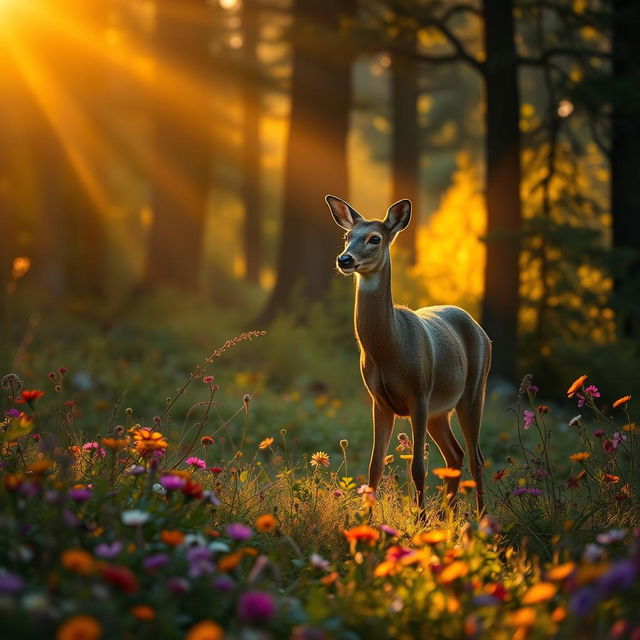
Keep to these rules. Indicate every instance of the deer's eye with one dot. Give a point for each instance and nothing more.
(374, 240)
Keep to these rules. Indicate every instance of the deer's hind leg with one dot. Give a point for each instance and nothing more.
(439, 428)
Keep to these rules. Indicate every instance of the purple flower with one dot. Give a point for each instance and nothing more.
(172, 483)
(613, 535)
(620, 577)
(199, 559)
(238, 531)
(256, 606)
(106, 550)
(151, 563)
(533, 388)
(12, 413)
(223, 583)
(195, 462)
(80, 494)
(529, 419)
(390, 531)
(135, 470)
(598, 433)
(582, 601)
(522, 490)
(590, 392)
(10, 583)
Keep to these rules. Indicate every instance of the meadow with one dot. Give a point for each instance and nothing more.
(156, 484)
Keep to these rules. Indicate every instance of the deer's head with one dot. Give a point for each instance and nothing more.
(367, 242)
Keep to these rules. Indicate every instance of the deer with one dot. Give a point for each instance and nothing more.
(423, 364)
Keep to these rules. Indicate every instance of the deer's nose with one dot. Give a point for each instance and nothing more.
(345, 260)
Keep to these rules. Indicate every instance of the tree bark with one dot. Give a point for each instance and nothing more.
(503, 173)
(316, 162)
(180, 167)
(625, 164)
(251, 146)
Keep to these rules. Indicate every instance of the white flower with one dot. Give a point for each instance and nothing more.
(194, 540)
(574, 420)
(135, 517)
(159, 489)
(218, 545)
(592, 552)
(613, 535)
(318, 562)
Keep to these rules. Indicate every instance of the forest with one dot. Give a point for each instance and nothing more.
(185, 435)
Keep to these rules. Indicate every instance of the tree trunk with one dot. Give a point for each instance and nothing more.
(180, 166)
(504, 218)
(625, 164)
(405, 141)
(316, 162)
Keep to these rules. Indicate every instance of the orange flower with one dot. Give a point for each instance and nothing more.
(29, 396)
(620, 401)
(453, 571)
(575, 386)
(266, 443)
(172, 537)
(205, 630)
(206, 441)
(320, 459)
(581, 456)
(77, 561)
(524, 617)
(561, 571)
(498, 475)
(13, 481)
(362, 533)
(192, 490)
(266, 523)
(229, 562)
(432, 537)
(385, 568)
(330, 578)
(143, 612)
(116, 443)
(40, 467)
(467, 485)
(446, 472)
(80, 627)
(540, 592)
(608, 477)
(147, 441)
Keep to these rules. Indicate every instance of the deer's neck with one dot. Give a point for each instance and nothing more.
(374, 318)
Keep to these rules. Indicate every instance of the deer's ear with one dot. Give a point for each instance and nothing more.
(344, 215)
(398, 216)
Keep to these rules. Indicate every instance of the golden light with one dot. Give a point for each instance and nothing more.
(565, 108)
(225, 4)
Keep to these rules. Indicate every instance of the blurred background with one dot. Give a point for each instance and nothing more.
(163, 165)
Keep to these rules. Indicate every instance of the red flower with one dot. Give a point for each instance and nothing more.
(192, 490)
(29, 396)
(120, 577)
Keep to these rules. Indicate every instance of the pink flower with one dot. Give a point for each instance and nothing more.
(94, 446)
(590, 392)
(256, 606)
(529, 419)
(194, 462)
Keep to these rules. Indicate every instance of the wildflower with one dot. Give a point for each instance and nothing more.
(200, 561)
(238, 531)
(390, 531)
(608, 446)
(172, 537)
(452, 572)
(196, 463)
(208, 379)
(592, 553)
(574, 481)
(116, 443)
(318, 562)
(363, 488)
(148, 441)
(434, 536)
(598, 433)
(446, 472)
(192, 490)
(522, 490)
(12, 413)
(320, 459)
(229, 562)
(205, 630)
(575, 420)
(136, 470)
(266, 523)
(620, 401)
(77, 561)
(627, 427)
(529, 419)
(216, 469)
(206, 441)
(29, 396)
(256, 606)
(135, 517)
(108, 551)
(172, 482)
(94, 446)
(223, 583)
(489, 526)
(498, 475)
(523, 617)
(79, 627)
(39, 467)
(580, 456)
(575, 386)
(120, 577)
(611, 536)
(265, 444)
(362, 533)
(10, 583)
(561, 571)
(583, 601)
(143, 612)
(403, 442)
(80, 493)
(619, 577)
(618, 438)
(155, 561)
(388, 459)
(590, 392)
(540, 592)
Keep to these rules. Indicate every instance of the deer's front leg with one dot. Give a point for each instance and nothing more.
(419, 417)
(383, 419)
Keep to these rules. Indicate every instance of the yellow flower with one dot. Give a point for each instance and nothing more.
(388, 459)
(80, 627)
(148, 441)
(581, 456)
(320, 459)
(576, 384)
(446, 472)
(266, 443)
(620, 401)
(205, 630)
(266, 523)
(540, 592)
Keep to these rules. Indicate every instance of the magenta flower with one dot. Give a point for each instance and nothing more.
(256, 606)
(12, 413)
(80, 494)
(598, 433)
(10, 583)
(94, 447)
(522, 490)
(390, 531)
(590, 392)
(172, 483)
(195, 462)
(238, 531)
(529, 419)
(155, 561)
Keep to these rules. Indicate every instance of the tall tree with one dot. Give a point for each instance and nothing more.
(625, 163)
(405, 140)
(180, 168)
(251, 146)
(503, 174)
(316, 161)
